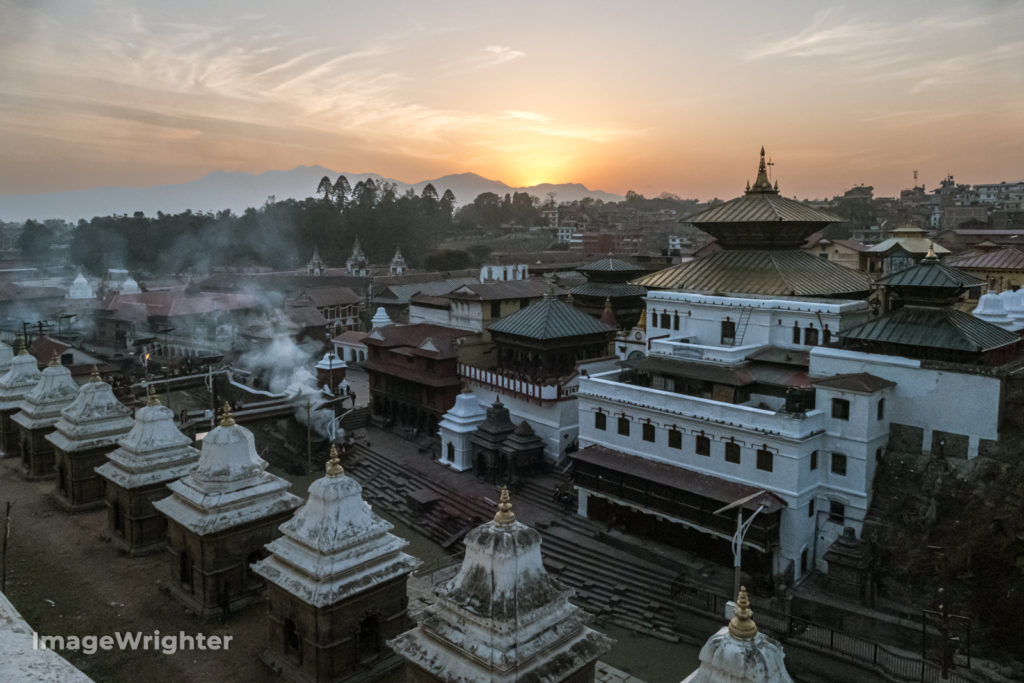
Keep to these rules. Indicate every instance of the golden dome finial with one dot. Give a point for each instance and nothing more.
(54, 359)
(505, 514)
(742, 626)
(152, 400)
(931, 252)
(227, 419)
(334, 468)
(95, 376)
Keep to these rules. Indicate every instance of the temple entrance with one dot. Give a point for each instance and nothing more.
(369, 642)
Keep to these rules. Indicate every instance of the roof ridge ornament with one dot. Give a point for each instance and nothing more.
(151, 399)
(930, 257)
(742, 626)
(227, 419)
(504, 515)
(762, 185)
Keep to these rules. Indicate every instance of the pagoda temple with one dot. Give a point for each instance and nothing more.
(502, 618)
(86, 432)
(219, 518)
(22, 374)
(40, 410)
(487, 440)
(608, 283)
(739, 652)
(153, 454)
(546, 339)
(760, 234)
(335, 586)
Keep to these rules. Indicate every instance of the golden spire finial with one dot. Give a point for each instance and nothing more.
(227, 420)
(334, 468)
(741, 626)
(570, 300)
(931, 252)
(152, 400)
(22, 351)
(504, 514)
(761, 184)
(607, 303)
(95, 376)
(54, 359)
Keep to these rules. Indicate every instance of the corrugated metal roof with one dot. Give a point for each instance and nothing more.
(911, 245)
(610, 265)
(762, 208)
(605, 289)
(1007, 258)
(549, 318)
(932, 327)
(856, 381)
(932, 274)
(510, 289)
(770, 273)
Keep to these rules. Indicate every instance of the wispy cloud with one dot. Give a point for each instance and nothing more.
(492, 55)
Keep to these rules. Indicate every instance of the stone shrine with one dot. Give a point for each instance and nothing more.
(40, 410)
(20, 377)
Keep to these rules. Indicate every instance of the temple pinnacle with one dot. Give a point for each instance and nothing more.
(504, 514)
(742, 626)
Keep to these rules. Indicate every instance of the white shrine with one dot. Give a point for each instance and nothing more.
(380, 319)
(80, 288)
(502, 618)
(86, 432)
(22, 374)
(398, 265)
(739, 652)
(39, 412)
(153, 454)
(335, 584)
(456, 428)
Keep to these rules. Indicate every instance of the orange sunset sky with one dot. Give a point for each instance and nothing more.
(650, 96)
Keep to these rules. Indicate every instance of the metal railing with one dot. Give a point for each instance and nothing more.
(891, 663)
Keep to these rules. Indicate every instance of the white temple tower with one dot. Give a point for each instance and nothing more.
(22, 374)
(502, 618)
(40, 410)
(80, 288)
(456, 428)
(398, 265)
(335, 586)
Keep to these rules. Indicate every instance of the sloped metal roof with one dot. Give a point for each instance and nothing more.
(605, 289)
(549, 318)
(766, 272)
(610, 264)
(932, 274)
(863, 382)
(1007, 258)
(933, 327)
(762, 208)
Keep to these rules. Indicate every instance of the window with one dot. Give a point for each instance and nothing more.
(703, 445)
(811, 336)
(675, 320)
(881, 409)
(648, 434)
(495, 309)
(796, 333)
(600, 420)
(665, 323)
(836, 512)
(810, 508)
(624, 426)
(728, 331)
(827, 336)
(803, 561)
(839, 464)
(878, 455)
(814, 460)
(675, 439)
(764, 460)
(840, 409)
(732, 452)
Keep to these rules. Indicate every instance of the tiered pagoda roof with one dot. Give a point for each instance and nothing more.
(93, 420)
(21, 376)
(549, 318)
(43, 404)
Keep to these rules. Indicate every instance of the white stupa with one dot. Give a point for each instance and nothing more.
(22, 374)
(94, 419)
(991, 309)
(1013, 304)
(455, 429)
(80, 288)
(740, 653)
(334, 546)
(502, 618)
(229, 487)
(39, 412)
(155, 451)
(380, 319)
(129, 286)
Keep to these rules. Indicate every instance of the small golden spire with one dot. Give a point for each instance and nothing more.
(54, 359)
(505, 514)
(22, 351)
(95, 376)
(741, 626)
(570, 300)
(607, 303)
(334, 468)
(227, 420)
(152, 399)
(931, 252)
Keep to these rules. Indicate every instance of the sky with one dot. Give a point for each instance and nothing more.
(651, 96)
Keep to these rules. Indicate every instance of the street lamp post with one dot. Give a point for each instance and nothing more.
(742, 527)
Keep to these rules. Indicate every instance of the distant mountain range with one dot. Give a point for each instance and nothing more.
(238, 191)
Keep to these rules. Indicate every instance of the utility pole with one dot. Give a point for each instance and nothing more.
(3, 552)
(741, 530)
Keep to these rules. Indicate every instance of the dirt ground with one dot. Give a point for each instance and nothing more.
(61, 559)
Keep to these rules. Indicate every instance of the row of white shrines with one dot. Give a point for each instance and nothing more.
(332, 575)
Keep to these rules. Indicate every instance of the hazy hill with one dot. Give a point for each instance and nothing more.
(237, 191)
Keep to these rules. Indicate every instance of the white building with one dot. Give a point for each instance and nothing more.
(80, 288)
(498, 272)
(398, 265)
